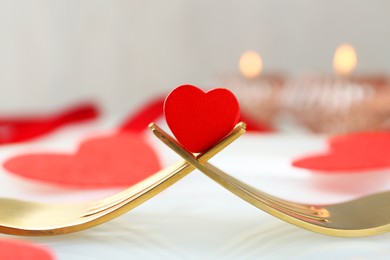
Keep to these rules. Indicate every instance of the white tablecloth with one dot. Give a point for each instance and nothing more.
(196, 218)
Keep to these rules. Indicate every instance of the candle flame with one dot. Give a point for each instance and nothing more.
(345, 60)
(250, 64)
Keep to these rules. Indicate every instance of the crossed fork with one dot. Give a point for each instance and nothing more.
(365, 216)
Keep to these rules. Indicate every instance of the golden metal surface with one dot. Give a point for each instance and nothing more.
(365, 216)
(38, 219)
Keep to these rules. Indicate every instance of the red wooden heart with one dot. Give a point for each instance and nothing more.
(351, 153)
(20, 250)
(118, 160)
(199, 120)
(138, 121)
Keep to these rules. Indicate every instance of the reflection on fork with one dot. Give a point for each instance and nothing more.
(366, 216)
(39, 219)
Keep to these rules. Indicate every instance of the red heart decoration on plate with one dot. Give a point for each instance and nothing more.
(117, 160)
(20, 250)
(199, 120)
(352, 152)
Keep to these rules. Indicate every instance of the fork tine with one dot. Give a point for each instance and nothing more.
(41, 219)
(316, 211)
(287, 207)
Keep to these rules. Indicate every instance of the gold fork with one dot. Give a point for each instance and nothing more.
(362, 217)
(38, 219)
(365, 216)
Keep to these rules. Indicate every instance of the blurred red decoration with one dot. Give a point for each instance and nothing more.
(139, 121)
(118, 160)
(351, 153)
(19, 129)
(21, 250)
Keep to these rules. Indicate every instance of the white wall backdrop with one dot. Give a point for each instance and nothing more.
(121, 52)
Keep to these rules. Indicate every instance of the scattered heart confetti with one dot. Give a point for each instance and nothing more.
(350, 153)
(20, 129)
(118, 160)
(199, 120)
(21, 250)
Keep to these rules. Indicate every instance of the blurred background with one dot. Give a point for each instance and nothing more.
(122, 53)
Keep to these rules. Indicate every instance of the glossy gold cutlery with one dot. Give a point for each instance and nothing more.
(365, 216)
(27, 218)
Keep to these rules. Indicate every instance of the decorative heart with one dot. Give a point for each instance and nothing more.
(352, 152)
(139, 120)
(21, 250)
(199, 120)
(118, 160)
(19, 129)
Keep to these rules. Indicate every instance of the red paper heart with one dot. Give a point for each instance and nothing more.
(20, 250)
(349, 153)
(20, 129)
(118, 160)
(199, 120)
